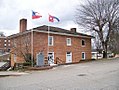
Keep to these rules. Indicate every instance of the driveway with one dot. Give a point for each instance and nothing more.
(95, 75)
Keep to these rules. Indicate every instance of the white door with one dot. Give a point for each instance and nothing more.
(68, 57)
(51, 58)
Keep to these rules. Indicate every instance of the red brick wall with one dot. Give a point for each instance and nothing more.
(60, 47)
(18, 46)
(4, 44)
(40, 43)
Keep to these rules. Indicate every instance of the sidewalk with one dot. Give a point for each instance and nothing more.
(11, 73)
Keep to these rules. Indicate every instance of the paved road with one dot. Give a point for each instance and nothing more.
(96, 75)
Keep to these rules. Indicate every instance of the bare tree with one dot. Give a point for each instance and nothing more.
(97, 43)
(100, 16)
(22, 47)
(114, 42)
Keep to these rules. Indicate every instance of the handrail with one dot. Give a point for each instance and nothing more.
(5, 66)
(59, 61)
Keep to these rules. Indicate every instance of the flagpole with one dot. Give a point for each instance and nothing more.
(32, 47)
(32, 40)
(48, 40)
(48, 43)
(51, 19)
(34, 16)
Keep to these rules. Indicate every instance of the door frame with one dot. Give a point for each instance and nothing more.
(67, 61)
(53, 58)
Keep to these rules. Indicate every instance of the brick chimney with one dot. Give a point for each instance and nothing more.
(23, 25)
(73, 30)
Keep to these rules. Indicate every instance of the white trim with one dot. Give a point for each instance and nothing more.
(68, 44)
(84, 56)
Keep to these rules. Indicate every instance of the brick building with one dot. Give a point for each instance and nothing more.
(4, 44)
(56, 44)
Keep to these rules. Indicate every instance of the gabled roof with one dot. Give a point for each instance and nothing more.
(52, 29)
(59, 30)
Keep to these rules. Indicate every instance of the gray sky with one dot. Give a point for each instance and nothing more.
(11, 11)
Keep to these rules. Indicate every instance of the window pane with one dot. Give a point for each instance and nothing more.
(68, 41)
(83, 42)
(5, 40)
(50, 40)
(5, 45)
(83, 55)
(68, 52)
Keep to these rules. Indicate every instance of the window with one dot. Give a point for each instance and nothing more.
(83, 55)
(83, 42)
(8, 50)
(5, 45)
(5, 40)
(8, 44)
(8, 40)
(50, 41)
(68, 41)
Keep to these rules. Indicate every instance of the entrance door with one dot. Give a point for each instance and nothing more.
(51, 58)
(68, 57)
(40, 59)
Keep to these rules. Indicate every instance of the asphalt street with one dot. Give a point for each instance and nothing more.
(94, 75)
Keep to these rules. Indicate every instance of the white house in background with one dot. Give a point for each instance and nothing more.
(96, 54)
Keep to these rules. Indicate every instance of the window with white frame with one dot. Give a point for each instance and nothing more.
(8, 40)
(5, 40)
(8, 44)
(50, 40)
(68, 41)
(5, 45)
(83, 42)
(83, 55)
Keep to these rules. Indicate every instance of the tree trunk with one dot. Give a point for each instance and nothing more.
(104, 54)
(105, 50)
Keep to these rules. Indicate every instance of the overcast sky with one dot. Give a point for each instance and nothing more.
(11, 11)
